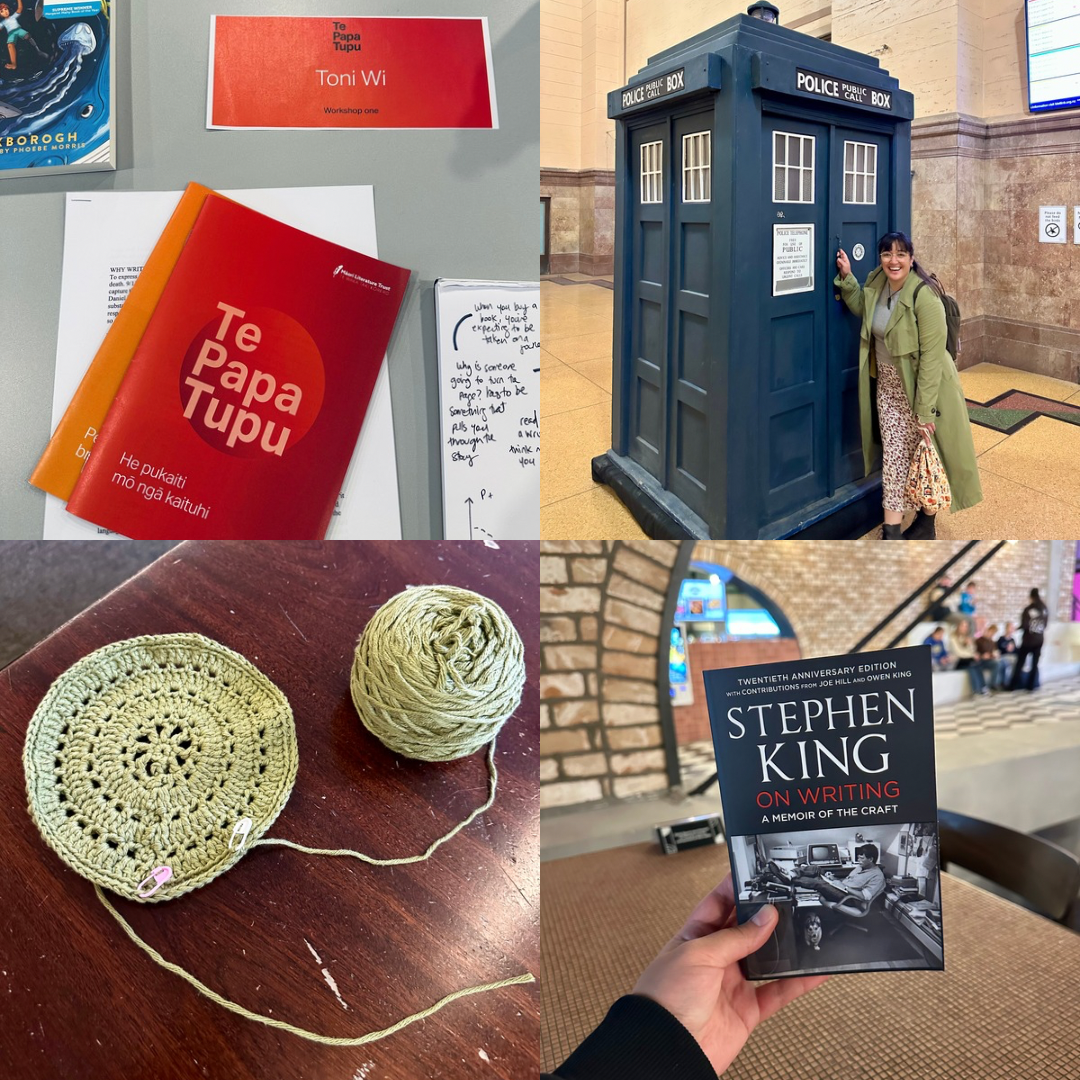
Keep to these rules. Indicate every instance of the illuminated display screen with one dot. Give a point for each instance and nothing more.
(1053, 43)
(701, 601)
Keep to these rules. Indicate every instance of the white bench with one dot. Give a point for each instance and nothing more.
(1059, 659)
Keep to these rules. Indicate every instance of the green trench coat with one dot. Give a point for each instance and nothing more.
(916, 339)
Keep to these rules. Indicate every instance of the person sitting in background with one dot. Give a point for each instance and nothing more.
(962, 646)
(1006, 646)
(939, 654)
(986, 657)
(692, 1010)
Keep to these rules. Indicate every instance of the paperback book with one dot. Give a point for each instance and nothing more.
(826, 771)
(242, 404)
(57, 86)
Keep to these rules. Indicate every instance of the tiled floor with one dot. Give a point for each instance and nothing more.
(1031, 485)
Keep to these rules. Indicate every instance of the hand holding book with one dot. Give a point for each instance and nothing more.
(696, 976)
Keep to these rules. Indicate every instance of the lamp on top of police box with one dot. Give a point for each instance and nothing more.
(764, 11)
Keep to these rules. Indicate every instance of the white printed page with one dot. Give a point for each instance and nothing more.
(489, 393)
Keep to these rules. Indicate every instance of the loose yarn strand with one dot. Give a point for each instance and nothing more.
(493, 779)
(313, 1036)
(437, 672)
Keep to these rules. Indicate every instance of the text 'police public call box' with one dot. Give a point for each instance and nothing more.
(744, 158)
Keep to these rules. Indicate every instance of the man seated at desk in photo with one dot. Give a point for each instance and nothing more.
(866, 882)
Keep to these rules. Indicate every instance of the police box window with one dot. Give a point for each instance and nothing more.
(860, 172)
(651, 162)
(697, 157)
(793, 168)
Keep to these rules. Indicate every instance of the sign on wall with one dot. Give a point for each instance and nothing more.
(793, 259)
(1052, 225)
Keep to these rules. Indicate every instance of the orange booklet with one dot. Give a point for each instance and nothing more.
(73, 439)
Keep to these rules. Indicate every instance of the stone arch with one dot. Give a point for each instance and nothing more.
(602, 611)
(740, 565)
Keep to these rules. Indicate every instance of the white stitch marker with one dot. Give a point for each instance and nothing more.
(243, 827)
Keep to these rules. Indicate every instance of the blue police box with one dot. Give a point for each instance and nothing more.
(745, 157)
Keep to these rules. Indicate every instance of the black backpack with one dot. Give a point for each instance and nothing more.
(952, 317)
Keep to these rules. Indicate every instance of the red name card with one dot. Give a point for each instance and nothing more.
(269, 71)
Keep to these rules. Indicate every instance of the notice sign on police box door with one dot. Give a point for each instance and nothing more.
(793, 259)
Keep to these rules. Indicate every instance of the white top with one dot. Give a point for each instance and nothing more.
(881, 320)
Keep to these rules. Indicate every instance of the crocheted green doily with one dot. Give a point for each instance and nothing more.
(149, 752)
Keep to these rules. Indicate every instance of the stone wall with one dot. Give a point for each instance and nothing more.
(582, 223)
(601, 608)
(601, 605)
(654, 25)
(976, 195)
(692, 721)
(560, 83)
(581, 47)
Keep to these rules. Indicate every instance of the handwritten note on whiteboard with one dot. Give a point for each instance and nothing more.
(489, 393)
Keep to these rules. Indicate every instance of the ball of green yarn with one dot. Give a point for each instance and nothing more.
(438, 671)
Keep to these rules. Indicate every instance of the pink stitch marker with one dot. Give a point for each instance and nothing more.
(160, 875)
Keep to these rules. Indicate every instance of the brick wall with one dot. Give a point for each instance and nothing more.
(601, 608)
(692, 721)
(834, 593)
(601, 605)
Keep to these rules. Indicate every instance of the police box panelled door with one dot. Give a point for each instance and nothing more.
(671, 350)
(828, 188)
(859, 202)
(793, 371)
(646, 373)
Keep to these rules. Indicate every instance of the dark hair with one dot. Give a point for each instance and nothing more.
(903, 242)
(867, 850)
(1035, 595)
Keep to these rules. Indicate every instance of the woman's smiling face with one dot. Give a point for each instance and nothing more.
(897, 265)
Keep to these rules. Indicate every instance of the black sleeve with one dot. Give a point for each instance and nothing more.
(637, 1038)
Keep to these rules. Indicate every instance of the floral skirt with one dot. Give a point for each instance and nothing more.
(899, 438)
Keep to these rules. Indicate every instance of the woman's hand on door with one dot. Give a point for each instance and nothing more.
(843, 263)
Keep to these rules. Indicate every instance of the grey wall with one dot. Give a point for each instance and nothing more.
(447, 204)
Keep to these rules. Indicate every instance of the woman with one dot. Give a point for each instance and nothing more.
(902, 356)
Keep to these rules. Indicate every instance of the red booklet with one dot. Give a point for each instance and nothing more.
(245, 397)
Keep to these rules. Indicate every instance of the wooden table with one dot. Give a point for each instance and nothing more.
(1007, 1006)
(77, 999)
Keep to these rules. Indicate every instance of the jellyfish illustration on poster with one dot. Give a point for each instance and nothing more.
(56, 87)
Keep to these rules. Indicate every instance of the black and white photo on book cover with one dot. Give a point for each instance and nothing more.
(826, 771)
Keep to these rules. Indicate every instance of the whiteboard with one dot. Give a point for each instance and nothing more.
(489, 408)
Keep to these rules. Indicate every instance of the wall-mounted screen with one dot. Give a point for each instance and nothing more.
(1053, 54)
(701, 600)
